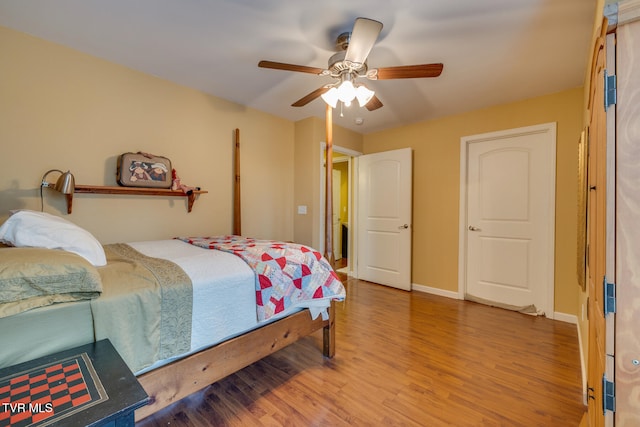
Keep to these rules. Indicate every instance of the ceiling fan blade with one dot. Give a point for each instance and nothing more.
(289, 67)
(373, 104)
(363, 37)
(409, 71)
(310, 97)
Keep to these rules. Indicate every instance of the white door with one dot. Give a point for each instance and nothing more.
(337, 241)
(384, 218)
(510, 218)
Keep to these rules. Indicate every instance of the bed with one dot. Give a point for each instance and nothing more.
(78, 291)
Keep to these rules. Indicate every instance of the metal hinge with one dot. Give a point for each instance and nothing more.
(609, 90)
(609, 300)
(608, 395)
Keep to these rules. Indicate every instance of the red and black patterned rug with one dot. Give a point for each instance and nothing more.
(46, 394)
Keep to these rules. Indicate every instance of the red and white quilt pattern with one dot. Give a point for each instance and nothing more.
(287, 274)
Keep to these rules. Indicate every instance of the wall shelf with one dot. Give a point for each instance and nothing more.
(133, 191)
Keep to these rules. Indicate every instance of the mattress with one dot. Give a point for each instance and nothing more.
(224, 306)
(36, 333)
(224, 299)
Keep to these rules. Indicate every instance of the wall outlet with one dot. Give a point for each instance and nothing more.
(302, 210)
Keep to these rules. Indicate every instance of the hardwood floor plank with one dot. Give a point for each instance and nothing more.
(404, 359)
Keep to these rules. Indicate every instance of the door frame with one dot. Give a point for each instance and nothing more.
(462, 224)
(353, 167)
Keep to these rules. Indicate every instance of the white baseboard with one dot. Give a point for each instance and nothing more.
(435, 291)
(564, 317)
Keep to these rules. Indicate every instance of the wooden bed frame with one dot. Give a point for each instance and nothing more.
(172, 382)
(183, 377)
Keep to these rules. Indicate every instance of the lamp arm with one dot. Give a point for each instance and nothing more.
(44, 183)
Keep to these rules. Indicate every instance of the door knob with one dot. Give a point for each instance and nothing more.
(404, 226)
(472, 228)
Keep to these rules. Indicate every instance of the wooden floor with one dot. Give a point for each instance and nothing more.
(404, 359)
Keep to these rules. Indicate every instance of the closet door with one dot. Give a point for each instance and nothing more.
(596, 233)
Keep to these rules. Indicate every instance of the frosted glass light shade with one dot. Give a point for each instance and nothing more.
(346, 91)
(364, 95)
(331, 97)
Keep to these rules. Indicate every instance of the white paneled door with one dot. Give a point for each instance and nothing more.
(384, 218)
(510, 217)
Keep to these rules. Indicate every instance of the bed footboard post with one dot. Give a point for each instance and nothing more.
(329, 333)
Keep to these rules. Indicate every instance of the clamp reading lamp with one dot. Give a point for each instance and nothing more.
(65, 184)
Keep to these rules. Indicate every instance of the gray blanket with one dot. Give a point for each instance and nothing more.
(145, 308)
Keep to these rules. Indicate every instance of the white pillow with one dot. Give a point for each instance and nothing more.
(26, 228)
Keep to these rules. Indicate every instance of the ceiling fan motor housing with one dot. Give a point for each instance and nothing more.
(337, 65)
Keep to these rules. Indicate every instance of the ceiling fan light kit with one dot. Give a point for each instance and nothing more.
(346, 92)
(349, 64)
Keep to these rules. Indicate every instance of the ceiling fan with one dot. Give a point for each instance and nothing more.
(350, 64)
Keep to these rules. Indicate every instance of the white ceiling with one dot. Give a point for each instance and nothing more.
(494, 51)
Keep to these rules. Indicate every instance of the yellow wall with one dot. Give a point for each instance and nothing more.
(307, 181)
(436, 181)
(66, 110)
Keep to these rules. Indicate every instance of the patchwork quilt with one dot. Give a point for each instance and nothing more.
(287, 274)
